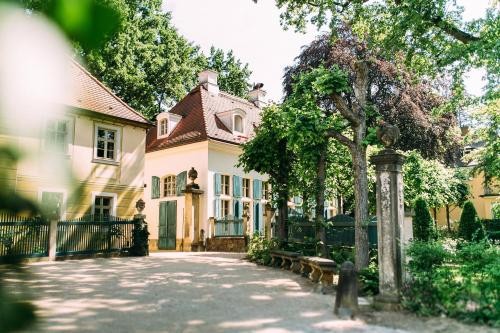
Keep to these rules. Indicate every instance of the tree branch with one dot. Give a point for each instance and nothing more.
(340, 138)
(453, 31)
(344, 109)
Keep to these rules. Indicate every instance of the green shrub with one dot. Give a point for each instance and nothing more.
(259, 249)
(470, 227)
(340, 254)
(368, 276)
(423, 225)
(463, 282)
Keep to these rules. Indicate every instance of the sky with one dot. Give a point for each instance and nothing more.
(254, 33)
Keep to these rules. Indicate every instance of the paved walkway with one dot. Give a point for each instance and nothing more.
(179, 292)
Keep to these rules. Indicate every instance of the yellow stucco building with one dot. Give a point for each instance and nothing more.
(483, 197)
(98, 138)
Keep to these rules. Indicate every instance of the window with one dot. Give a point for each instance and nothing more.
(106, 143)
(246, 188)
(225, 184)
(169, 186)
(103, 205)
(238, 124)
(224, 208)
(52, 204)
(163, 127)
(265, 190)
(56, 135)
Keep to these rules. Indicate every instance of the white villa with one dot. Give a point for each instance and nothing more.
(203, 131)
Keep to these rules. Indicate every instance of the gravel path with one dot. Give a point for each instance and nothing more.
(189, 292)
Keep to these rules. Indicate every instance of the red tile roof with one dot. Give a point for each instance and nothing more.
(200, 121)
(90, 94)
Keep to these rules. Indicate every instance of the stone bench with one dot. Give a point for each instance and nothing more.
(286, 260)
(318, 269)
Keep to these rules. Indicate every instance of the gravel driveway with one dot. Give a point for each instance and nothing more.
(185, 292)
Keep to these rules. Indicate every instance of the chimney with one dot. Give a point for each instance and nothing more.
(208, 79)
(257, 95)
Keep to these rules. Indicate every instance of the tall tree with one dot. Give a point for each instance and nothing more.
(233, 75)
(432, 33)
(147, 62)
(353, 87)
(269, 153)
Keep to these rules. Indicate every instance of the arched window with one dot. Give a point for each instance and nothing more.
(169, 186)
(238, 124)
(163, 127)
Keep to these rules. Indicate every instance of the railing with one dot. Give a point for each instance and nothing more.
(228, 228)
(340, 231)
(94, 234)
(23, 237)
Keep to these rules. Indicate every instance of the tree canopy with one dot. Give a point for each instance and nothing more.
(147, 62)
(433, 33)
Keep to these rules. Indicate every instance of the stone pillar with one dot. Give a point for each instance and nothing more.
(192, 213)
(390, 217)
(268, 216)
(53, 239)
(192, 218)
(246, 217)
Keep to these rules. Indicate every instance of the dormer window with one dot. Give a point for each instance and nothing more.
(166, 123)
(238, 124)
(163, 127)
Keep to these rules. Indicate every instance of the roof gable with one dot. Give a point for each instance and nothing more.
(90, 94)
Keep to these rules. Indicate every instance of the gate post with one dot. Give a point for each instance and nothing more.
(390, 218)
(53, 238)
(140, 233)
(192, 213)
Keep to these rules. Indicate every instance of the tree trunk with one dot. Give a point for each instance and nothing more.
(360, 167)
(320, 202)
(283, 194)
(340, 205)
(448, 217)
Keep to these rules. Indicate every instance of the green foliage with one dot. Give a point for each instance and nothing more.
(233, 75)
(145, 61)
(369, 277)
(429, 35)
(463, 283)
(485, 158)
(341, 254)
(470, 226)
(259, 249)
(423, 225)
(86, 22)
(434, 182)
(15, 315)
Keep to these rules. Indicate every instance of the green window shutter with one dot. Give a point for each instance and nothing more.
(257, 189)
(257, 217)
(217, 184)
(217, 209)
(238, 208)
(180, 183)
(155, 187)
(237, 185)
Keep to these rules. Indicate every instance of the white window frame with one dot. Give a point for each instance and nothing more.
(105, 194)
(242, 123)
(248, 187)
(117, 155)
(70, 124)
(222, 185)
(56, 190)
(163, 127)
(174, 189)
(222, 202)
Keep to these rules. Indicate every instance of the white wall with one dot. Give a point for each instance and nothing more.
(223, 158)
(174, 161)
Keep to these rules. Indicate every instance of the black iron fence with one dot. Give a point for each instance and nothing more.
(23, 237)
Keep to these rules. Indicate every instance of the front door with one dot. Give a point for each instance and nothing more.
(167, 225)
